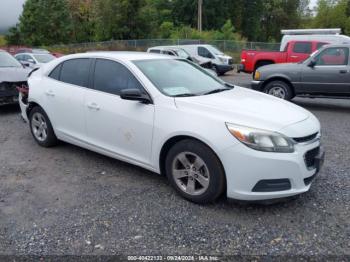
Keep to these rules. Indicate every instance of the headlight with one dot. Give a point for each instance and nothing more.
(223, 60)
(257, 75)
(261, 140)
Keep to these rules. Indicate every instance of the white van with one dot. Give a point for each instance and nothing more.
(329, 35)
(221, 63)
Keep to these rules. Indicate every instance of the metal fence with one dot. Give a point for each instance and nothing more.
(231, 47)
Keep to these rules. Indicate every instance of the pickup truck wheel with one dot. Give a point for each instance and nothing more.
(195, 171)
(279, 89)
(41, 128)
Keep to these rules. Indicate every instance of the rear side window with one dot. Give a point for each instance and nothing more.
(155, 51)
(112, 77)
(55, 74)
(76, 72)
(302, 47)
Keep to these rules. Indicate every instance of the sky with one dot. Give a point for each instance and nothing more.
(10, 10)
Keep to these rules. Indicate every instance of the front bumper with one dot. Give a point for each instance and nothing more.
(245, 168)
(256, 85)
(222, 69)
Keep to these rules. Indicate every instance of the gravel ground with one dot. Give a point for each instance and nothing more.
(67, 200)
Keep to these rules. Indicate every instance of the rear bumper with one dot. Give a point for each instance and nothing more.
(257, 85)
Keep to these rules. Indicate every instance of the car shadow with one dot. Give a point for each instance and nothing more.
(9, 109)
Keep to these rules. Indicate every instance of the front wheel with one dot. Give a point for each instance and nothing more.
(195, 171)
(279, 89)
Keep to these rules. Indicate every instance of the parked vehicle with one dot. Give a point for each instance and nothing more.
(34, 59)
(221, 63)
(325, 73)
(176, 51)
(12, 74)
(173, 117)
(296, 46)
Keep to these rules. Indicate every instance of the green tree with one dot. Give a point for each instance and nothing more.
(45, 22)
(13, 37)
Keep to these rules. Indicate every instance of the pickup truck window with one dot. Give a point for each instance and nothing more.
(333, 56)
(302, 47)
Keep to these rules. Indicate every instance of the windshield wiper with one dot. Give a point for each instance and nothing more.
(184, 95)
(218, 90)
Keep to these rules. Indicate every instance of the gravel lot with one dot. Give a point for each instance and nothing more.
(67, 200)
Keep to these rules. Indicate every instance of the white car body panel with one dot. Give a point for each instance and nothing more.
(136, 132)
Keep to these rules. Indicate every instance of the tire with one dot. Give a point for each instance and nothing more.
(279, 89)
(195, 171)
(41, 128)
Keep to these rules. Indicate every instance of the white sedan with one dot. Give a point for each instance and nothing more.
(172, 117)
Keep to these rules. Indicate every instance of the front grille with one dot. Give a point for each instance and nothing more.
(305, 138)
(310, 157)
(8, 89)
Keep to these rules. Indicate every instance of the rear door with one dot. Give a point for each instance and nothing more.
(65, 89)
(115, 125)
(299, 51)
(330, 75)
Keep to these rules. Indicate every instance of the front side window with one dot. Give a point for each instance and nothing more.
(55, 74)
(202, 51)
(112, 77)
(154, 51)
(333, 56)
(302, 47)
(176, 77)
(76, 71)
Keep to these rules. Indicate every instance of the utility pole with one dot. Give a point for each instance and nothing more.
(200, 6)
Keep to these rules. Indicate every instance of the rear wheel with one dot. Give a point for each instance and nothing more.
(279, 89)
(194, 171)
(41, 128)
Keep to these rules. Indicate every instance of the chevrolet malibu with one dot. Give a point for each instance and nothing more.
(172, 117)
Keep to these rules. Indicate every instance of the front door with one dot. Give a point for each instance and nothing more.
(119, 126)
(330, 74)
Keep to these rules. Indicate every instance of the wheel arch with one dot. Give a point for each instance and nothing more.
(175, 139)
(278, 78)
(260, 61)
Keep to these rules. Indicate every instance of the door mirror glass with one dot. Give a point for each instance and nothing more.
(30, 60)
(135, 95)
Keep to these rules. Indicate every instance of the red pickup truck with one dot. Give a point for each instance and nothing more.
(295, 51)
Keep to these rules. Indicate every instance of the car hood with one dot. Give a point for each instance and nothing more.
(246, 107)
(281, 67)
(14, 74)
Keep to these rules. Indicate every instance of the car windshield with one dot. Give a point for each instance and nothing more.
(7, 60)
(177, 77)
(214, 50)
(182, 53)
(44, 58)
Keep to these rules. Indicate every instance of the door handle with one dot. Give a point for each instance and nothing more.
(294, 56)
(50, 93)
(93, 106)
(343, 71)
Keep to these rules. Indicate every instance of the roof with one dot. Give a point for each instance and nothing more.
(129, 56)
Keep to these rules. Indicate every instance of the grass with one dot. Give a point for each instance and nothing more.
(2, 40)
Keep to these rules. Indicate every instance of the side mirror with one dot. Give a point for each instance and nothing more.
(31, 61)
(312, 63)
(25, 64)
(135, 95)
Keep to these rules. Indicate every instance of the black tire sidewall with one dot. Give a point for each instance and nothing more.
(51, 139)
(284, 85)
(217, 180)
